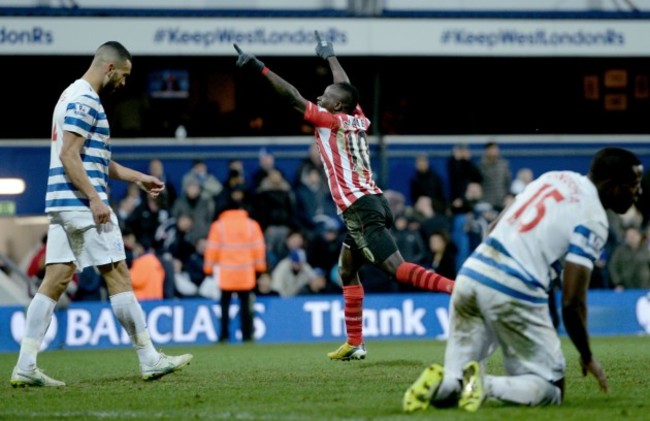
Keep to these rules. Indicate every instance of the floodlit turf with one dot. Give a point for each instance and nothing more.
(298, 382)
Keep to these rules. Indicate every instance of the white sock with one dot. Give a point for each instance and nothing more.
(128, 311)
(37, 320)
(528, 389)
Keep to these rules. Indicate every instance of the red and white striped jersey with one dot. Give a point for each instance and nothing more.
(343, 146)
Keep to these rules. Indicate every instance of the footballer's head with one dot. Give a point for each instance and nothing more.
(339, 97)
(114, 60)
(616, 172)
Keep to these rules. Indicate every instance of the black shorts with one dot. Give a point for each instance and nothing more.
(368, 221)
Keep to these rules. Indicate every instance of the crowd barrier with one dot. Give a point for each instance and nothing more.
(299, 319)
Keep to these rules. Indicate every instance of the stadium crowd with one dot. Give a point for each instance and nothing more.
(437, 225)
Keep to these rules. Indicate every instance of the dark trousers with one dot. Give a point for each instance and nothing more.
(245, 312)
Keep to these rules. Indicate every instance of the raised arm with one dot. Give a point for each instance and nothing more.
(279, 85)
(325, 50)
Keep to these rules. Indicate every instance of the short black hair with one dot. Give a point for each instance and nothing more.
(350, 97)
(614, 164)
(118, 49)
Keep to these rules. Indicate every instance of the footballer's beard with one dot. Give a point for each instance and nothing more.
(111, 84)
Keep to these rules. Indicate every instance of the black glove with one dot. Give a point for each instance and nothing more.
(248, 61)
(324, 49)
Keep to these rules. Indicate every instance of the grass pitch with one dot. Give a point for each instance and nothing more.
(297, 382)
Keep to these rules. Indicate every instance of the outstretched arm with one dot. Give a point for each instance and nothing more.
(325, 50)
(148, 183)
(279, 85)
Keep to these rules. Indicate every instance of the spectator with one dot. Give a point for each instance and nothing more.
(199, 207)
(183, 285)
(468, 224)
(396, 202)
(295, 239)
(90, 285)
(426, 182)
(441, 255)
(210, 186)
(599, 275)
(173, 237)
(522, 179)
(313, 201)
(496, 175)
(132, 199)
(195, 263)
(168, 196)
(145, 219)
(643, 203)
(291, 274)
(147, 274)
(36, 268)
(319, 284)
(409, 241)
(461, 171)
(307, 164)
(629, 267)
(266, 162)
(429, 220)
(263, 287)
(128, 237)
(324, 248)
(274, 209)
(235, 181)
(235, 252)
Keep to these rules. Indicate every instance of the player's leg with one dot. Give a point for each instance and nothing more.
(368, 221)
(127, 309)
(471, 340)
(537, 378)
(349, 263)
(37, 320)
(416, 275)
(526, 389)
(58, 274)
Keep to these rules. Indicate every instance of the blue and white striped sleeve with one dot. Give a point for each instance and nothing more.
(81, 115)
(586, 244)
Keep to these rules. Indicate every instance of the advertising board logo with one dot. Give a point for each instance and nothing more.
(643, 312)
(35, 35)
(18, 329)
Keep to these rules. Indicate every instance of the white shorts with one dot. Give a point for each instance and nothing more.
(481, 319)
(73, 236)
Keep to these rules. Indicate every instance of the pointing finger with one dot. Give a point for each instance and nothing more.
(238, 49)
(317, 36)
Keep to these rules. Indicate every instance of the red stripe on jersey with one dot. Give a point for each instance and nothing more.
(329, 169)
(344, 152)
(357, 181)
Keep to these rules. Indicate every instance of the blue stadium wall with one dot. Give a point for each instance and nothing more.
(393, 163)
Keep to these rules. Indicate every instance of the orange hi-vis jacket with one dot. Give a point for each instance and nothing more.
(147, 277)
(236, 250)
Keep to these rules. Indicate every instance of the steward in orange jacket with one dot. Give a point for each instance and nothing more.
(236, 252)
(147, 277)
(236, 246)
